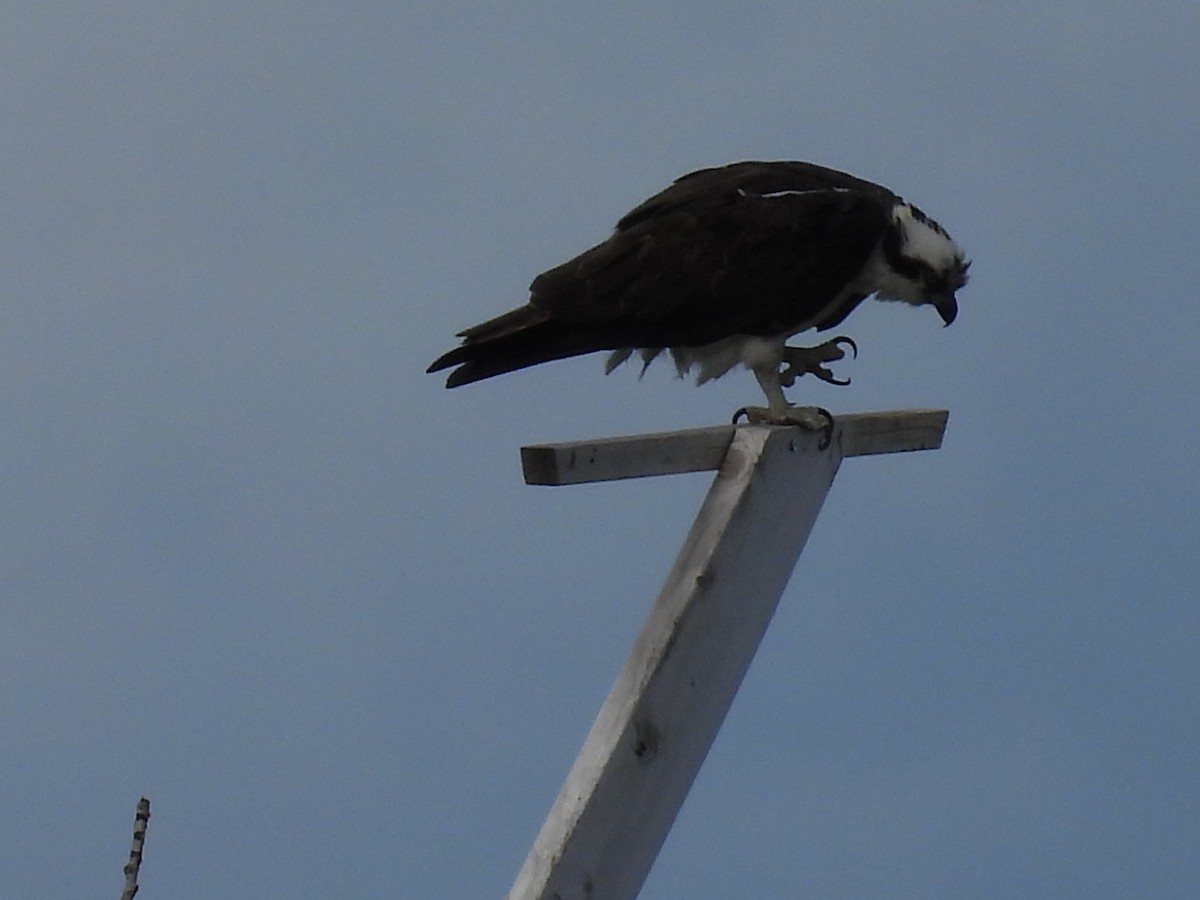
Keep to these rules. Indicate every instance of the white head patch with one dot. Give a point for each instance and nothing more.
(924, 239)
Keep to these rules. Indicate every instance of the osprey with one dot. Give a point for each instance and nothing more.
(722, 268)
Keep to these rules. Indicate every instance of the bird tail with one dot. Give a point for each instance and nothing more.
(516, 340)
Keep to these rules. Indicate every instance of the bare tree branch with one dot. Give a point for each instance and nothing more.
(135, 852)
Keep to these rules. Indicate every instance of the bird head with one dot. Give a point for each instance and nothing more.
(921, 263)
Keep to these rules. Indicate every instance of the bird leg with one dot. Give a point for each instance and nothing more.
(811, 360)
(779, 412)
(773, 379)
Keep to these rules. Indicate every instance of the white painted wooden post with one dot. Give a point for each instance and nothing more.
(670, 697)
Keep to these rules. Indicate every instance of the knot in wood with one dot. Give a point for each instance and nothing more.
(645, 741)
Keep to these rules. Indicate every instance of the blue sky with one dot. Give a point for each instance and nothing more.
(259, 567)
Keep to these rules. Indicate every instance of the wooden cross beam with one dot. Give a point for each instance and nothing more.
(703, 449)
(670, 697)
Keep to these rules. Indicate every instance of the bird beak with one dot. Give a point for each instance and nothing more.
(947, 307)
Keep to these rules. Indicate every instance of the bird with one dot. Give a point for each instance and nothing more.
(721, 268)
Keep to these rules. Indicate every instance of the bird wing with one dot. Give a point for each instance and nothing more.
(740, 250)
(761, 178)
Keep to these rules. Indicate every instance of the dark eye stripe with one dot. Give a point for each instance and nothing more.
(902, 265)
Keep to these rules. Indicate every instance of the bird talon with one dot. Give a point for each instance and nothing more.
(805, 360)
(842, 339)
(829, 378)
(802, 416)
(758, 415)
(827, 430)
